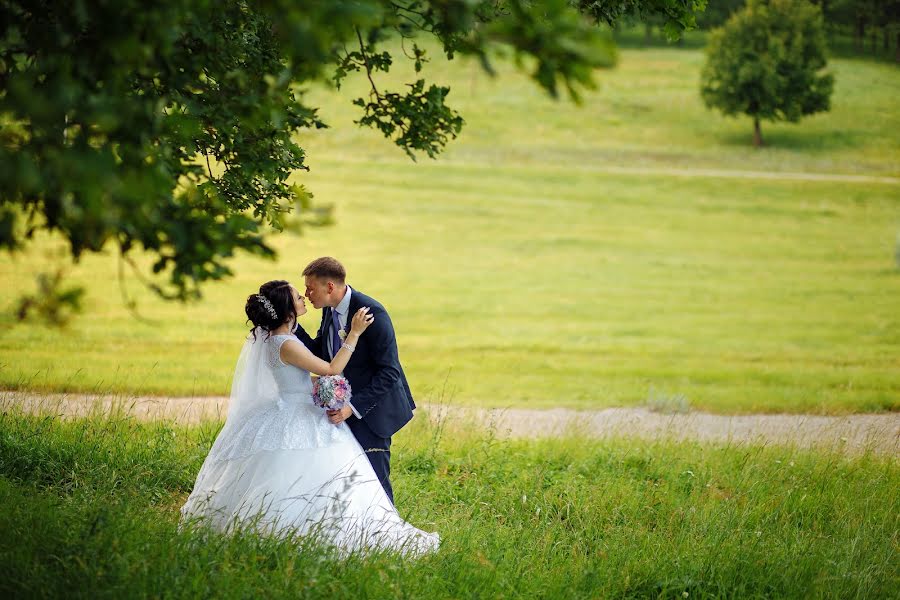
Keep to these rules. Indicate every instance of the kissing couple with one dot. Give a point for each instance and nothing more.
(285, 466)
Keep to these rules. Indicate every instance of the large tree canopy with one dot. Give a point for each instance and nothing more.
(171, 126)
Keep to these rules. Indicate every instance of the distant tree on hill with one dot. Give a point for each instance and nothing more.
(767, 62)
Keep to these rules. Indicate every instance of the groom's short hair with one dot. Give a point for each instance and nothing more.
(326, 268)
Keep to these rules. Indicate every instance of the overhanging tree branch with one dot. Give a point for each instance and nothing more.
(153, 86)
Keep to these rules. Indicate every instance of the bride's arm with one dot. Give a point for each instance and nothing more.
(295, 353)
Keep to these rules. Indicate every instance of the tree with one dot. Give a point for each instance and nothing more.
(864, 17)
(767, 62)
(170, 126)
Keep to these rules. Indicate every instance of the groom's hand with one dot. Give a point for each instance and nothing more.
(339, 416)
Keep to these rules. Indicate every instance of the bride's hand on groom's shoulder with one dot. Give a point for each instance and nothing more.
(361, 321)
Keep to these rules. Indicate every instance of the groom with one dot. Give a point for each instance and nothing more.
(381, 402)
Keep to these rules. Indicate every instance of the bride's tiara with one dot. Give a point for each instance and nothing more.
(267, 304)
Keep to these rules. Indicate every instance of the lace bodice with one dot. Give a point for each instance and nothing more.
(291, 421)
(292, 381)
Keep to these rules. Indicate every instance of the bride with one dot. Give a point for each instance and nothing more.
(278, 465)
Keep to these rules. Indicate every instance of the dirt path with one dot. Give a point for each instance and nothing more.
(851, 433)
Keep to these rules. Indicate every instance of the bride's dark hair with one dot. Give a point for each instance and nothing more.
(271, 307)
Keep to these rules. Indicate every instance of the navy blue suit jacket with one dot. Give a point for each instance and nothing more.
(380, 393)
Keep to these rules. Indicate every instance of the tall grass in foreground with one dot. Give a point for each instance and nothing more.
(91, 510)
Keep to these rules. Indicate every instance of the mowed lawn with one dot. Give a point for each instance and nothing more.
(560, 255)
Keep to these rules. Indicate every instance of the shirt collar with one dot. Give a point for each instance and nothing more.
(344, 305)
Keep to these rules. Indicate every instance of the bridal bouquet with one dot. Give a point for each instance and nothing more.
(331, 392)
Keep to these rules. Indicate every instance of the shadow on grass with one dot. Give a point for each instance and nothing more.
(786, 136)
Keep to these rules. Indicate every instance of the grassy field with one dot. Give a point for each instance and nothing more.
(91, 510)
(562, 256)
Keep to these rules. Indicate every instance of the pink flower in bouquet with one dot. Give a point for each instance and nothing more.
(331, 392)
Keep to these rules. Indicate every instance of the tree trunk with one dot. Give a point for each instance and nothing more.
(860, 34)
(897, 49)
(757, 133)
(648, 33)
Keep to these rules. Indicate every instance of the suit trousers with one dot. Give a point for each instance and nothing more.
(378, 451)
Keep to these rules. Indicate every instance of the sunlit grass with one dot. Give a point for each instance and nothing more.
(646, 112)
(522, 273)
(91, 508)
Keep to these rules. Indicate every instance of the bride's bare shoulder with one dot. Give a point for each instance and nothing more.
(293, 348)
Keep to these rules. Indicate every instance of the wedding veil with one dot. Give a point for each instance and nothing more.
(253, 386)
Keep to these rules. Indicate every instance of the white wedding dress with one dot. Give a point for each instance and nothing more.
(280, 467)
